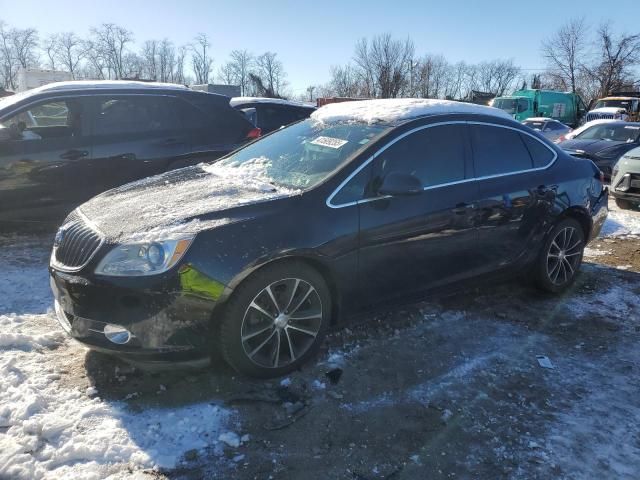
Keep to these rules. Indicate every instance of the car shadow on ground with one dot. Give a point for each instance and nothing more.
(470, 356)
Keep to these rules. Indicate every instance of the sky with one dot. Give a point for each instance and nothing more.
(311, 36)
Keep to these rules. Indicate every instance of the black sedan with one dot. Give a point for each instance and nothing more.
(604, 143)
(258, 254)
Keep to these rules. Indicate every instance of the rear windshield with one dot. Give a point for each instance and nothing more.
(613, 103)
(614, 133)
(535, 125)
(303, 154)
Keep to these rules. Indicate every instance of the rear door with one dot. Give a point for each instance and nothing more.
(40, 168)
(513, 195)
(408, 243)
(133, 136)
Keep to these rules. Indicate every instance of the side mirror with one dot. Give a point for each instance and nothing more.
(400, 184)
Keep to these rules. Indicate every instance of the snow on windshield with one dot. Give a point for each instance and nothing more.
(396, 110)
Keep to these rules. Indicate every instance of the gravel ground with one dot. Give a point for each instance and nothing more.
(451, 387)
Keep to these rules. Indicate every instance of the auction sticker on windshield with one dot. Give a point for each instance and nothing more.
(329, 142)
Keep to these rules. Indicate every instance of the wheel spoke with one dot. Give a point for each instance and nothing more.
(293, 294)
(257, 307)
(299, 304)
(303, 330)
(568, 264)
(306, 317)
(273, 298)
(554, 244)
(568, 237)
(578, 243)
(557, 270)
(292, 354)
(255, 334)
(572, 254)
(259, 347)
(277, 355)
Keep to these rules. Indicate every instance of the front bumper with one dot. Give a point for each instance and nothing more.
(168, 319)
(626, 186)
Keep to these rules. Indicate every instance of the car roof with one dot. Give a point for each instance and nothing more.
(399, 110)
(240, 101)
(106, 85)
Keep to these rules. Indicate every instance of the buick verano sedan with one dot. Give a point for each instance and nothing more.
(258, 254)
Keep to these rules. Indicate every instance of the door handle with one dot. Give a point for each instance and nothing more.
(74, 154)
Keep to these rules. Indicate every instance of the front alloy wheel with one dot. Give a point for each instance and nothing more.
(275, 320)
(561, 258)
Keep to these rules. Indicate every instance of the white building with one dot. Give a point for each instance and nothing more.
(32, 78)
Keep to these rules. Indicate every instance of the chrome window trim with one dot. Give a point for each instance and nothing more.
(432, 187)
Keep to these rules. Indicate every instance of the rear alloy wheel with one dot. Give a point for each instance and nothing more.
(561, 256)
(624, 204)
(276, 320)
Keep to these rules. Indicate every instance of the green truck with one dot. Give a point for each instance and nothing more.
(565, 107)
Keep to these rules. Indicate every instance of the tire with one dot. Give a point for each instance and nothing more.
(561, 256)
(624, 204)
(275, 320)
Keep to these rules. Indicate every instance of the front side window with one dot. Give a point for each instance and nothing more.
(498, 150)
(133, 114)
(55, 119)
(434, 155)
(301, 155)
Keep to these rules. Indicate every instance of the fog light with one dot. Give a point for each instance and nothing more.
(117, 334)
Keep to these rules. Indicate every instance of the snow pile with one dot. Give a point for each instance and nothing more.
(397, 110)
(49, 431)
(586, 126)
(621, 223)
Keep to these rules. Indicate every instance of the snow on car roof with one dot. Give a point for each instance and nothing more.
(540, 119)
(396, 110)
(87, 84)
(237, 101)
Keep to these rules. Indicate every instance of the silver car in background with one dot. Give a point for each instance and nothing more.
(550, 128)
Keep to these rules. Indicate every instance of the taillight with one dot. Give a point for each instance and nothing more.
(254, 133)
(561, 138)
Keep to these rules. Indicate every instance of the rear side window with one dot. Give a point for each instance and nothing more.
(435, 155)
(134, 114)
(540, 154)
(498, 150)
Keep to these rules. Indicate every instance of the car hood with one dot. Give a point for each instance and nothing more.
(590, 146)
(179, 202)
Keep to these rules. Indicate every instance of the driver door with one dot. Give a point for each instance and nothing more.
(409, 243)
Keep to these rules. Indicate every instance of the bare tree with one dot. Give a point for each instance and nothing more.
(50, 47)
(25, 45)
(431, 78)
(565, 51)
(8, 58)
(344, 82)
(241, 63)
(166, 60)
(200, 58)
(496, 76)
(271, 73)
(111, 42)
(617, 55)
(178, 74)
(226, 74)
(149, 54)
(69, 52)
(384, 64)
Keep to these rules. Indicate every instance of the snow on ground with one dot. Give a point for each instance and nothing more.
(49, 430)
(396, 110)
(621, 223)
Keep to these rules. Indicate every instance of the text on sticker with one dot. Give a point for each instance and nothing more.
(329, 142)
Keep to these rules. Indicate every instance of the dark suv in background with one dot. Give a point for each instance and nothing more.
(269, 114)
(63, 143)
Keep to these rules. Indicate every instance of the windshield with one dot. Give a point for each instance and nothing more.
(511, 105)
(534, 124)
(613, 103)
(614, 133)
(302, 155)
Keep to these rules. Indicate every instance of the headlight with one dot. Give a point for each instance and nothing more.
(146, 258)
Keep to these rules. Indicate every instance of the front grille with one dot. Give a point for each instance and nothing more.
(75, 244)
(600, 116)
